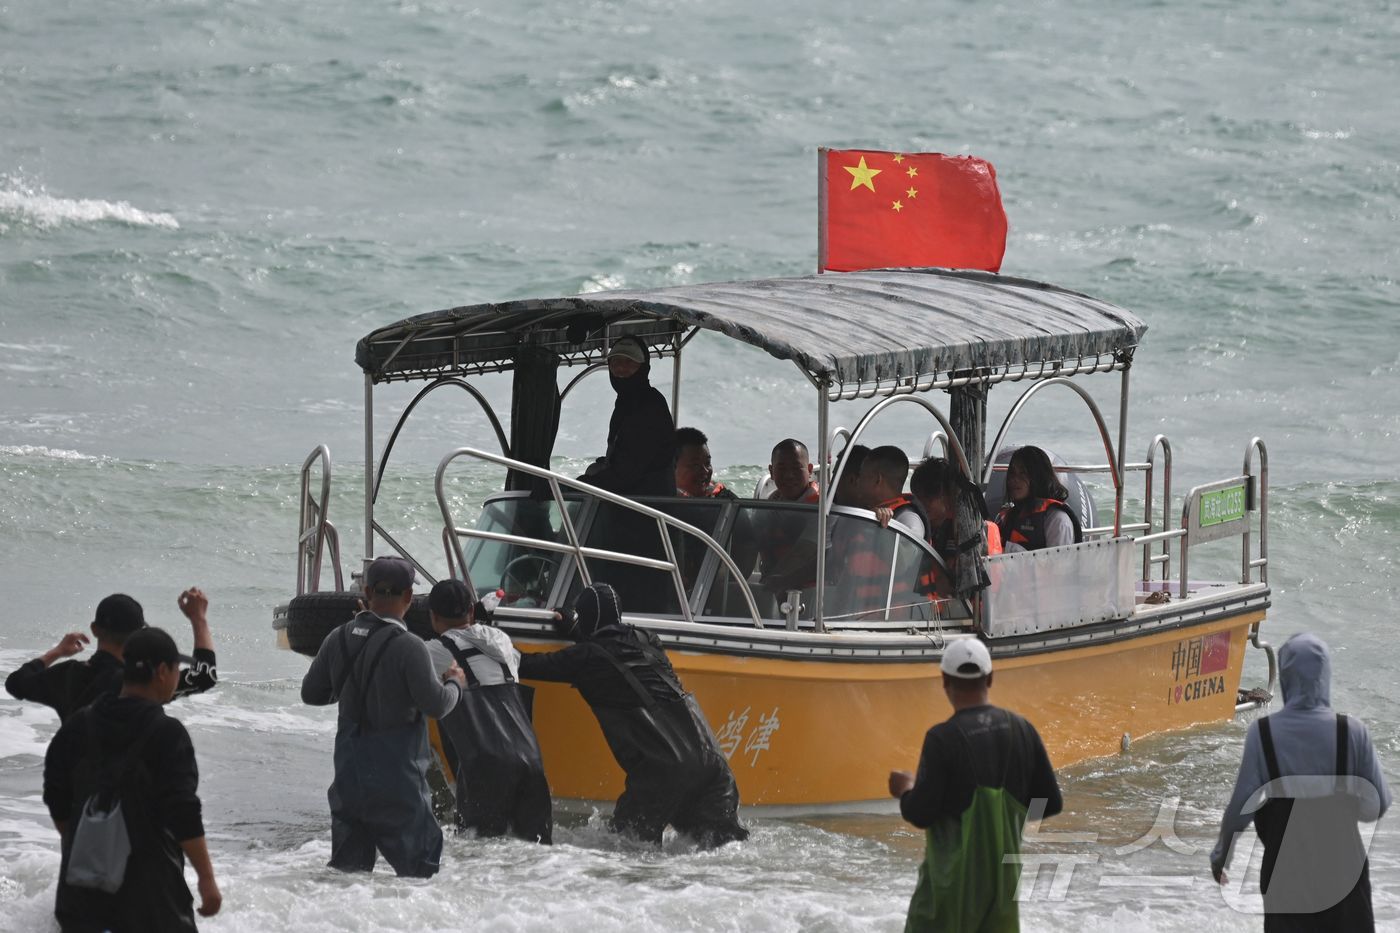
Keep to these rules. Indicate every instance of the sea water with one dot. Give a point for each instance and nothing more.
(204, 205)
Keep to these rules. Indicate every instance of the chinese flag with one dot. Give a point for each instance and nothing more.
(886, 209)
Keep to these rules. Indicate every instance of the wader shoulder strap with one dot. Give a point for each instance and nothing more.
(362, 683)
(1343, 742)
(463, 655)
(625, 670)
(1266, 740)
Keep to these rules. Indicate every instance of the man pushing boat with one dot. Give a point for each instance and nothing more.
(676, 773)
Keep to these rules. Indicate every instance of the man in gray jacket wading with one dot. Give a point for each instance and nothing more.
(384, 681)
(1308, 776)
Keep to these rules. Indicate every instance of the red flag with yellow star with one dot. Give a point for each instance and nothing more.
(889, 209)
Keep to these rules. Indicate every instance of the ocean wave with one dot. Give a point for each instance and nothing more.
(47, 453)
(41, 209)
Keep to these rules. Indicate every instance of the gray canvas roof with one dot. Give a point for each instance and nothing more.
(871, 332)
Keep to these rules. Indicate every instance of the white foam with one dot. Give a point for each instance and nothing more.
(41, 209)
(49, 453)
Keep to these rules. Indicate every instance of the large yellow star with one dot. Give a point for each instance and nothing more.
(861, 175)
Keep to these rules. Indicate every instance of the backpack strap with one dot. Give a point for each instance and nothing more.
(1266, 739)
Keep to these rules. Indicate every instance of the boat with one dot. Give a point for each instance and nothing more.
(816, 693)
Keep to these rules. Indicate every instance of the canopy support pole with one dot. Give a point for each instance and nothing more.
(1122, 451)
(676, 386)
(967, 411)
(369, 472)
(825, 491)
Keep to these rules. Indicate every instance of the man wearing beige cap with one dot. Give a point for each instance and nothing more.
(980, 771)
(641, 454)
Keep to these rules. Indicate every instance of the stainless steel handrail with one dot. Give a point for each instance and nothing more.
(1262, 561)
(315, 533)
(663, 522)
(1165, 557)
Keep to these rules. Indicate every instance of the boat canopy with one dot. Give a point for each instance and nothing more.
(869, 333)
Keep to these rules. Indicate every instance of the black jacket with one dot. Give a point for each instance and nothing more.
(587, 666)
(68, 686)
(162, 809)
(641, 454)
(984, 746)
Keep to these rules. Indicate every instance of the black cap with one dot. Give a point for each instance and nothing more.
(451, 599)
(144, 651)
(389, 576)
(119, 615)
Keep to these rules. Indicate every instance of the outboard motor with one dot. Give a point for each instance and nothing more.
(1081, 501)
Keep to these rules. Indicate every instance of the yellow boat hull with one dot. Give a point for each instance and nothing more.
(804, 733)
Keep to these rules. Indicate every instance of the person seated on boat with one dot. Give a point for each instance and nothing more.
(501, 786)
(676, 773)
(640, 457)
(881, 490)
(695, 477)
(791, 470)
(934, 485)
(1035, 515)
(847, 490)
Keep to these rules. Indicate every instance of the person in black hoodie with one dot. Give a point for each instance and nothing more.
(68, 686)
(641, 454)
(126, 741)
(676, 773)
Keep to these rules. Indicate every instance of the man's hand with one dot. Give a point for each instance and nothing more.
(1220, 877)
(194, 604)
(901, 782)
(456, 673)
(884, 516)
(68, 645)
(210, 898)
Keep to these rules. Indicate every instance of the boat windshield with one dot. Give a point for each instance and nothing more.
(874, 574)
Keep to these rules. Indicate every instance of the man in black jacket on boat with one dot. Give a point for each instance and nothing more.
(641, 454)
(675, 770)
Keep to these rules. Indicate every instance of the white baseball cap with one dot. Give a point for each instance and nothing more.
(966, 658)
(628, 348)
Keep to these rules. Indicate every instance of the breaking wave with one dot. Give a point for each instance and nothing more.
(21, 203)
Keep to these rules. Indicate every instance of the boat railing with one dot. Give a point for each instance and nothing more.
(315, 533)
(1163, 556)
(574, 546)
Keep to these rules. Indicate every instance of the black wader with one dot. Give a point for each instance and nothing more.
(501, 787)
(1315, 874)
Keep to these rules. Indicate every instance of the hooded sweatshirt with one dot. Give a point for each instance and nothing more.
(641, 454)
(1305, 743)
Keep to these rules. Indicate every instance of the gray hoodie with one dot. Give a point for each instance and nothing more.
(403, 685)
(1305, 743)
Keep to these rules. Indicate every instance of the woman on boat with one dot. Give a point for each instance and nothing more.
(1035, 515)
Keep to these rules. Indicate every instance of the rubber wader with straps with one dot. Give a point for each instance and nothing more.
(1315, 874)
(675, 770)
(379, 798)
(501, 786)
(967, 880)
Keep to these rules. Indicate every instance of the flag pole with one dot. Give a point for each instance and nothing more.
(821, 209)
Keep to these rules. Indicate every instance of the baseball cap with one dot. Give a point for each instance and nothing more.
(119, 614)
(966, 658)
(147, 649)
(451, 599)
(389, 576)
(629, 348)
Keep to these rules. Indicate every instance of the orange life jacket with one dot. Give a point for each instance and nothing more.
(810, 496)
(1024, 522)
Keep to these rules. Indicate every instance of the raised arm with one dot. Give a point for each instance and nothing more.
(203, 674)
